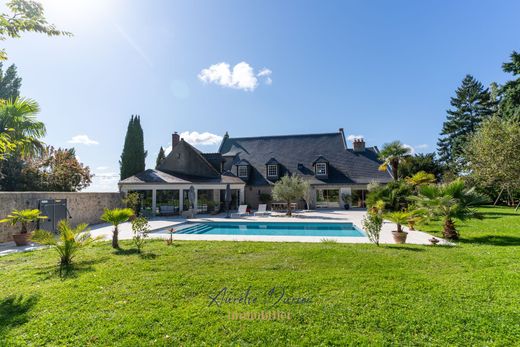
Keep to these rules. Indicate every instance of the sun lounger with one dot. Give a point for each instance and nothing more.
(242, 211)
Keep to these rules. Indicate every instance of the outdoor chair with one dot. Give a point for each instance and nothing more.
(242, 211)
(167, 210)
(262, 210)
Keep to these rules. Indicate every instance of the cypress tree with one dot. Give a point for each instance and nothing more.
(133, 156)
(470, 106)
(10, 83)
(160, 157)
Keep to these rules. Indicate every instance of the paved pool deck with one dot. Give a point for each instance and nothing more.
(104, 231)
(321, 216)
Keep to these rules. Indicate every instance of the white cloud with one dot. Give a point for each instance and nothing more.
(102, 168)
(242, 76)
(83, 140)
(412, 150)
(104, 182)
(266, 73)
(194, 138)
(422, 146)
(351, 137)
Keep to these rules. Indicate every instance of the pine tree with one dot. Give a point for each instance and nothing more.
(510, 92)
(160, 157)
(133, 156)
(471, 105)
(10, 83)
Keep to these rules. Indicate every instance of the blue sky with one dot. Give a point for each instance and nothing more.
(381, 69)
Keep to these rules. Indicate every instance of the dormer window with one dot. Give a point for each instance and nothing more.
(321, 169)
(272, 170)
(243, 168)
(243, 172)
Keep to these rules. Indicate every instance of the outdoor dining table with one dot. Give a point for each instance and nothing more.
(281, 206)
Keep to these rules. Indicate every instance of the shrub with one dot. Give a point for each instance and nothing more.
(131, 200)
(265, 198)
(140, 228)
(372, 224)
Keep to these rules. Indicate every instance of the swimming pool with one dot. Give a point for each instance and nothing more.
(271, 229)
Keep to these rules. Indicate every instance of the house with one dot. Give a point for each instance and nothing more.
(252, 165)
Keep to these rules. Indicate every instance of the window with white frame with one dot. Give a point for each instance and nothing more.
(272, 170)
(321, 169)
(242, 171)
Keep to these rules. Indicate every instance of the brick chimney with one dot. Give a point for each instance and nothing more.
(359, 145)
(175, 139)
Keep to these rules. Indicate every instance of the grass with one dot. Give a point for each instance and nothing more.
(359, 294)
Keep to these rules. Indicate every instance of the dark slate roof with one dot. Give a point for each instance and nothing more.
(272, 161)
(156, 176)
(320, 159)
(242, 162)
(215, 159)
(296, 154)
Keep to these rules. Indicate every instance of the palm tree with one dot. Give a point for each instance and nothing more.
(392, 154)
(116, 217)
(399, 218)
(18, 119)
(68, 243)
(421, 178)
(23, 217)
(451, 201)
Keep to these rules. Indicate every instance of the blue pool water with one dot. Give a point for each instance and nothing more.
(271, 229)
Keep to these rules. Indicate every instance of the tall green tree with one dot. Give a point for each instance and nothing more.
(25, 16)
(133, 156)
(56, 170)
(510, 91)
(10, 83)
(421, 162)
(470, 106)
(393, 154)
(160, 157)
(493, 153)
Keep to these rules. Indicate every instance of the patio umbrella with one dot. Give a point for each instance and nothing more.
(227, 199)
(191, 197)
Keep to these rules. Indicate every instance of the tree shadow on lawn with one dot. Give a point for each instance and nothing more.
(132, 251)
(406, 248)
(493, 240)
(500, 214)
(14, 312)
(69, 271)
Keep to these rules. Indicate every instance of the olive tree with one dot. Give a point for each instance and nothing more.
(290, 188)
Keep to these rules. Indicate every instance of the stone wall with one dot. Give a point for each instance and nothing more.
(83, 207)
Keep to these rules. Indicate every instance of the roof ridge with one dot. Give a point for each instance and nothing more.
(287, 135)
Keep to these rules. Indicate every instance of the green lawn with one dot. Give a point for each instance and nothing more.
(360, 294)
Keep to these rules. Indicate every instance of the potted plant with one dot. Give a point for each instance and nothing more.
(347, 200)
(23, 217)
(398, 218)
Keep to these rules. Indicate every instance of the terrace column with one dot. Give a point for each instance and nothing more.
(181, 202)
(154, 201)
(195, 203)
(242, 196)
